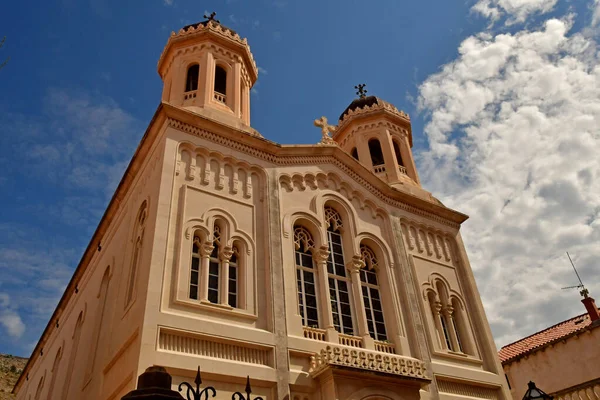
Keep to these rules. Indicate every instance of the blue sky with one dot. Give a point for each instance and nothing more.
(81, 86)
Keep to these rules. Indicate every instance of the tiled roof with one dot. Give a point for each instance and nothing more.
(541, 339)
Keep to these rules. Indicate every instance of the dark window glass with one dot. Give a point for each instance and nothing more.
(220, 80)
(376, 152)
(398, 155)
(191, 82)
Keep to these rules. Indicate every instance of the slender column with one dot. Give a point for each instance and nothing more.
(364, 155)
(236, 104)
(436, 308)
(354, 266)
(408, 160)
(320, 256)
(205, 251)
(225, 256)
(205, 80)
(391, 165)
(448, 313)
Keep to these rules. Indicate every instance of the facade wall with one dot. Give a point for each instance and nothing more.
(93, 347)
(563, 365)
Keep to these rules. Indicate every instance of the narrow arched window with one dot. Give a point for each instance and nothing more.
(72, 356)
(214, 267)
(220, 80)
(398, 154)
(191, 81)
(38, 391)
(140, 224)
(371, 294)
(354, 153)
(458, 323)
(305, 277)
(232, 297)
(54, 373)
(195, 269)
(376, 152)
(446, 332)
(339, 283)
(98, 323)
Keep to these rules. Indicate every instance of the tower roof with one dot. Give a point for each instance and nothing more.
(361, 102)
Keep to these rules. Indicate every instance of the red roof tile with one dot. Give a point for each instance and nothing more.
(540, 339)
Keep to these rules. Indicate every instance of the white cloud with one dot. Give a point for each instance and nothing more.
(513, 142)
(262, 71)
(168, 2)
(516, 10)
(11, 321)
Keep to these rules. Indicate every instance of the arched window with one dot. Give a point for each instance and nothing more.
(336, 270)
(195, 269)
(214, 267)
(72, 356)
(233, 278)
(191, 81)
(354, 153)
(220, 80)
(137, 247)
(397, 152)
(305, 277)
(99, 323)
(38, 391)
(54, 373)
(376, 152)
(458, 324)
(371, 294)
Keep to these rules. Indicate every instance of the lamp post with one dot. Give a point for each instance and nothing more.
(534, 393)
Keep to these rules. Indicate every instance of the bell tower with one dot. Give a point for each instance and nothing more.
(379, 136)
(208, 68)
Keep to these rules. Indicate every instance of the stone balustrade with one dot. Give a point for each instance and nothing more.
(314, 334)
(220, 97)
(352, 341)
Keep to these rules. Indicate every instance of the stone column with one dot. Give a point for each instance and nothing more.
(321, 255)
(354, 267)
(225, 256)
(389, 156)
(205, 251)
(448, 313)
(205, 80)
(236, 100)
(407, 158)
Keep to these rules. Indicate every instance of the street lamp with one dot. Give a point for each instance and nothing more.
(535, 393)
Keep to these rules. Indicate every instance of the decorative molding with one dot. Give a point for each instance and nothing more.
(428, 241)
(337, 356)
(381, 105)
(307, 160)
(179, 342)
(463, 389)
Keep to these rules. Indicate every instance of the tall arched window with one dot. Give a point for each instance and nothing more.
(54, 373)
(339, 283)
(354, 153)
(371, 294)
(398, 154)
(232, 285)
(195, 269)
(140, 224)
(305, 277)
(220, 80)
(99, 324)
(214, 267)
(38, 391)
(72, 356)
(376, 152)
(459, 325)
(191, 81)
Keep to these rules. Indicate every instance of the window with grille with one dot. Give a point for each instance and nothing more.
(195, 269)
(339, 284)
(233, 278)
(371, 295)
(214, 267)
(305, 277)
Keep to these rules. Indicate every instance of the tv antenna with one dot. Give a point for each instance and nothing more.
(582, 290)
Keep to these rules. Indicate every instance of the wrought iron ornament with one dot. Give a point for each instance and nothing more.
(197, 393)
(362, 92)
(211, 17)
(248, 392)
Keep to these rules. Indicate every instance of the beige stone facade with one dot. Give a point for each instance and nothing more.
(322, 271)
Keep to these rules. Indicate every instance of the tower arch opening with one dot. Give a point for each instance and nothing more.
(191, 80)
(376, 152)
(220, 81)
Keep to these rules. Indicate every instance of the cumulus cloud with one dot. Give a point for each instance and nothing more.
(513, 142)
(9, 318)
(516, 10)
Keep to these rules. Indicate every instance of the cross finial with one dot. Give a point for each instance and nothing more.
(211, 17)
(325, 130)
(362, 92)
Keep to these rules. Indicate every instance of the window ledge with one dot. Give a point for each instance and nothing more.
(219, 308)
(459, 356)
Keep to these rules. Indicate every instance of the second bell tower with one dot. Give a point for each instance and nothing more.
(209, 69)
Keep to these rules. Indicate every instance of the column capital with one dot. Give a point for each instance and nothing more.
(321, 255)
(437, 307)
(356, 264)
(448, 310)
(206, 248)
(226, 253)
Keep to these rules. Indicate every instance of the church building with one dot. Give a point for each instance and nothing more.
(324, 272)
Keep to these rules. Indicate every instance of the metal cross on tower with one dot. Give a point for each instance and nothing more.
(211, 17)
(362, 92)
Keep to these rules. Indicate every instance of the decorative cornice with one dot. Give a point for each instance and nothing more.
(210, 27)
(381, 105)
(338, 356)
(309, 160)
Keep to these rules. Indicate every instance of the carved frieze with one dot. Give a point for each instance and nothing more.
(427, 241)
